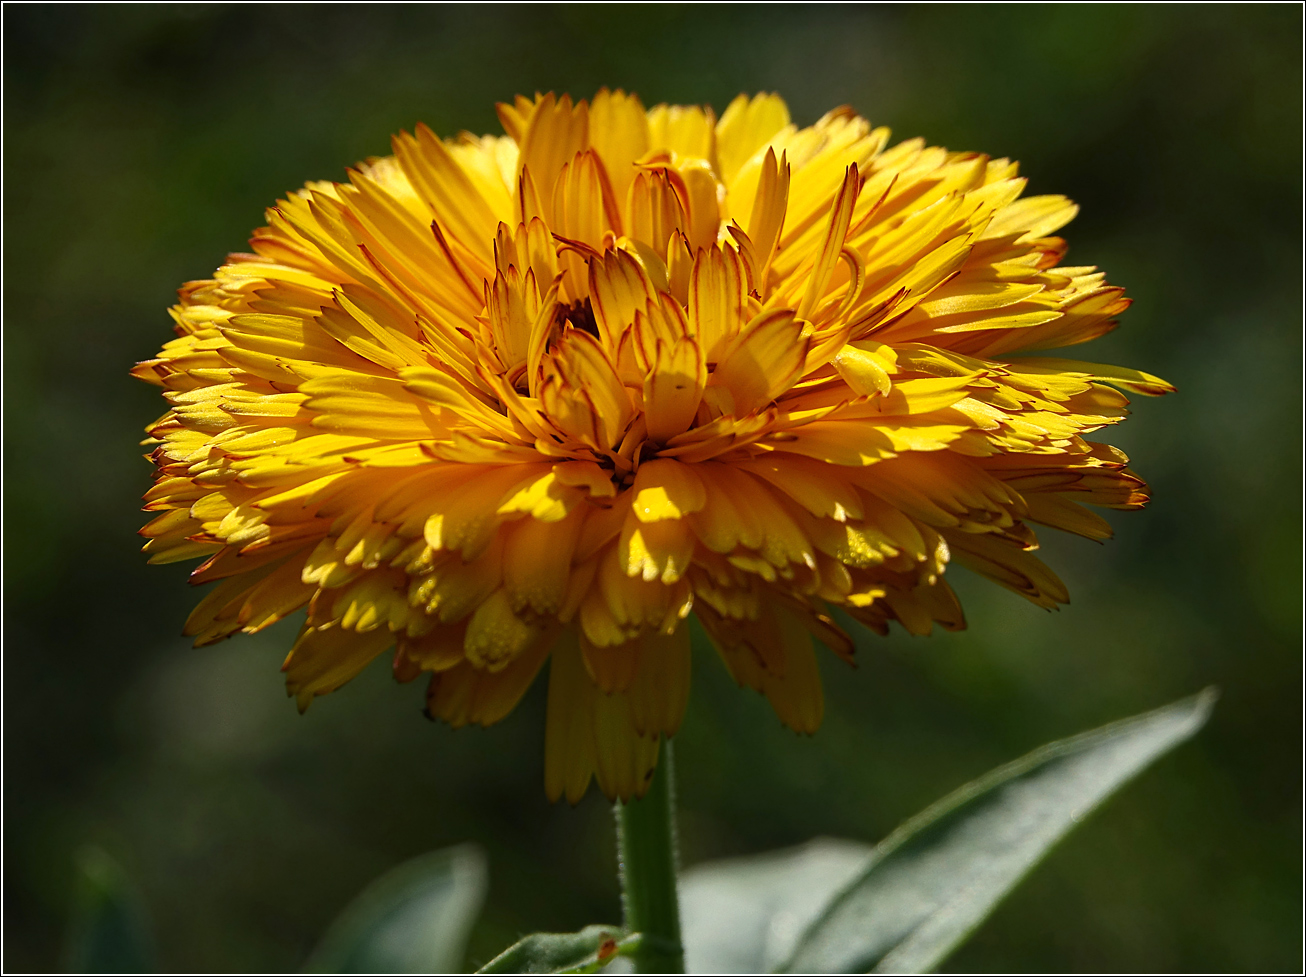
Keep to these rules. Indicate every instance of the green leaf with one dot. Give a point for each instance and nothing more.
(110, 931)
(413, 919)
(936, 878)
(564, 953)
(745, 915)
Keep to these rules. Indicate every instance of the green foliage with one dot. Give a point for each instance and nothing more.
(414, 919)
(827, 907)
(109, 932)
(565, 953)
(745, 915)
(904, 906)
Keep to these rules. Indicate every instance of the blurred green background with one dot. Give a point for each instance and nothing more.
(143, 142)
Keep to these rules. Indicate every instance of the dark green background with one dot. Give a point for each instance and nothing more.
(142, 143)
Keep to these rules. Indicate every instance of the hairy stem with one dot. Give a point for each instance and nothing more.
(646, 849)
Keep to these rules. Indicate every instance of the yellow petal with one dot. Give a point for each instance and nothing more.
(702, 196)
(552, 135)
(439, 649)
(1135, 381)
(774, 655)
(612, 667)
(619, 133)
(447, 189)
(659, 691)
(762, 363)
(537, 561)
(864, 370)
(686, 130)
(543, 497)
(666, 489)
(817, 487)
(584, 208)
(322, 660)
(654, 209)
(496, 634)
(1009, 565)
(569, 753)
(717, 299)
(1033, 217)
(624, 760)
(745, 127)
(655, 550)
(583, 394)
(841, 213)
(673, 388)
(618, 287)
(465, 694)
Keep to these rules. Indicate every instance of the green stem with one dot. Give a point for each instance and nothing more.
(646, 848)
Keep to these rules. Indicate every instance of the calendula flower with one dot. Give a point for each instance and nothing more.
(505, 398)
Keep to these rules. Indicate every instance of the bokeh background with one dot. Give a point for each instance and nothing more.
(143, 142)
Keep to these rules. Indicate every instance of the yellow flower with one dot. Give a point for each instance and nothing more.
(505, 397)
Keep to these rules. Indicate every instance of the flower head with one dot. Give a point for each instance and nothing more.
(501, 398)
